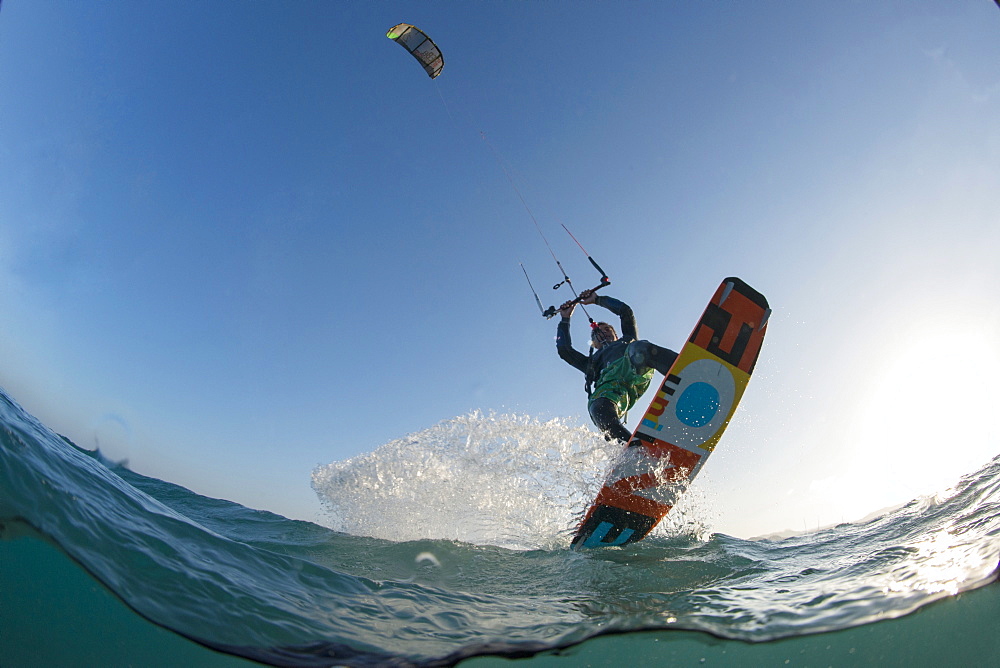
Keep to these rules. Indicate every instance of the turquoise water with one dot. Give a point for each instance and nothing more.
(103, 566)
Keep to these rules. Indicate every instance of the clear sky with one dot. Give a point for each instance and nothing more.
(240, 239)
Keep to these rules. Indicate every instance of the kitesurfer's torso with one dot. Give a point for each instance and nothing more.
(609, 370)
(605, 356)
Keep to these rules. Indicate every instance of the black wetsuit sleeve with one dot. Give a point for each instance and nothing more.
(564, 346)
(629, 330)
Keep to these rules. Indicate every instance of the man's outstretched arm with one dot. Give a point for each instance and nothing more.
(623, 311)
(564, 343)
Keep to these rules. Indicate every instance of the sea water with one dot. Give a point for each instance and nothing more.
(449, 546)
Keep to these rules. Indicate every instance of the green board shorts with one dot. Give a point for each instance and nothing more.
(622, 383)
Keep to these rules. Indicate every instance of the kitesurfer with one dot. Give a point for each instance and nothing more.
(618, 369)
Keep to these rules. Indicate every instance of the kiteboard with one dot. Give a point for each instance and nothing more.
(684, 421)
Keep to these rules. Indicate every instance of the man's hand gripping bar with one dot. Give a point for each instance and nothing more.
(552, 310)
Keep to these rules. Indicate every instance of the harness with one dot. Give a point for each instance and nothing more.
(596, 364)
(616, 378)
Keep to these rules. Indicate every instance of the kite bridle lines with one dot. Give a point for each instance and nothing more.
(552, 310)
(427, 53)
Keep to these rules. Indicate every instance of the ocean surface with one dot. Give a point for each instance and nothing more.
(450, 546)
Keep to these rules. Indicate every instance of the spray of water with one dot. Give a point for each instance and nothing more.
(487, 479)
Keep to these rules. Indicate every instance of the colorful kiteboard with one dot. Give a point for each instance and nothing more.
(684, 422)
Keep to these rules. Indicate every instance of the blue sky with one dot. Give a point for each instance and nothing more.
(240, 239)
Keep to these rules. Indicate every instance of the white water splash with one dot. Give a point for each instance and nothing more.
(505, 480)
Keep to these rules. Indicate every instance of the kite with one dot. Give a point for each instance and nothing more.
(420, 46)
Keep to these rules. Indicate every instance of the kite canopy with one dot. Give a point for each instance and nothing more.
(420, 45)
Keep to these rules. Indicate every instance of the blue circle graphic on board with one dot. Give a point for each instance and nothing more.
(697, 405)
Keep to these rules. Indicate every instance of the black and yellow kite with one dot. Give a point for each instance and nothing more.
(417, 42)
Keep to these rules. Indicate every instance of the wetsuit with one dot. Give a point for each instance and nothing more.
(617, 373)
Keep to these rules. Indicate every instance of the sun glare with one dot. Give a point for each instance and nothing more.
(928, 416)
